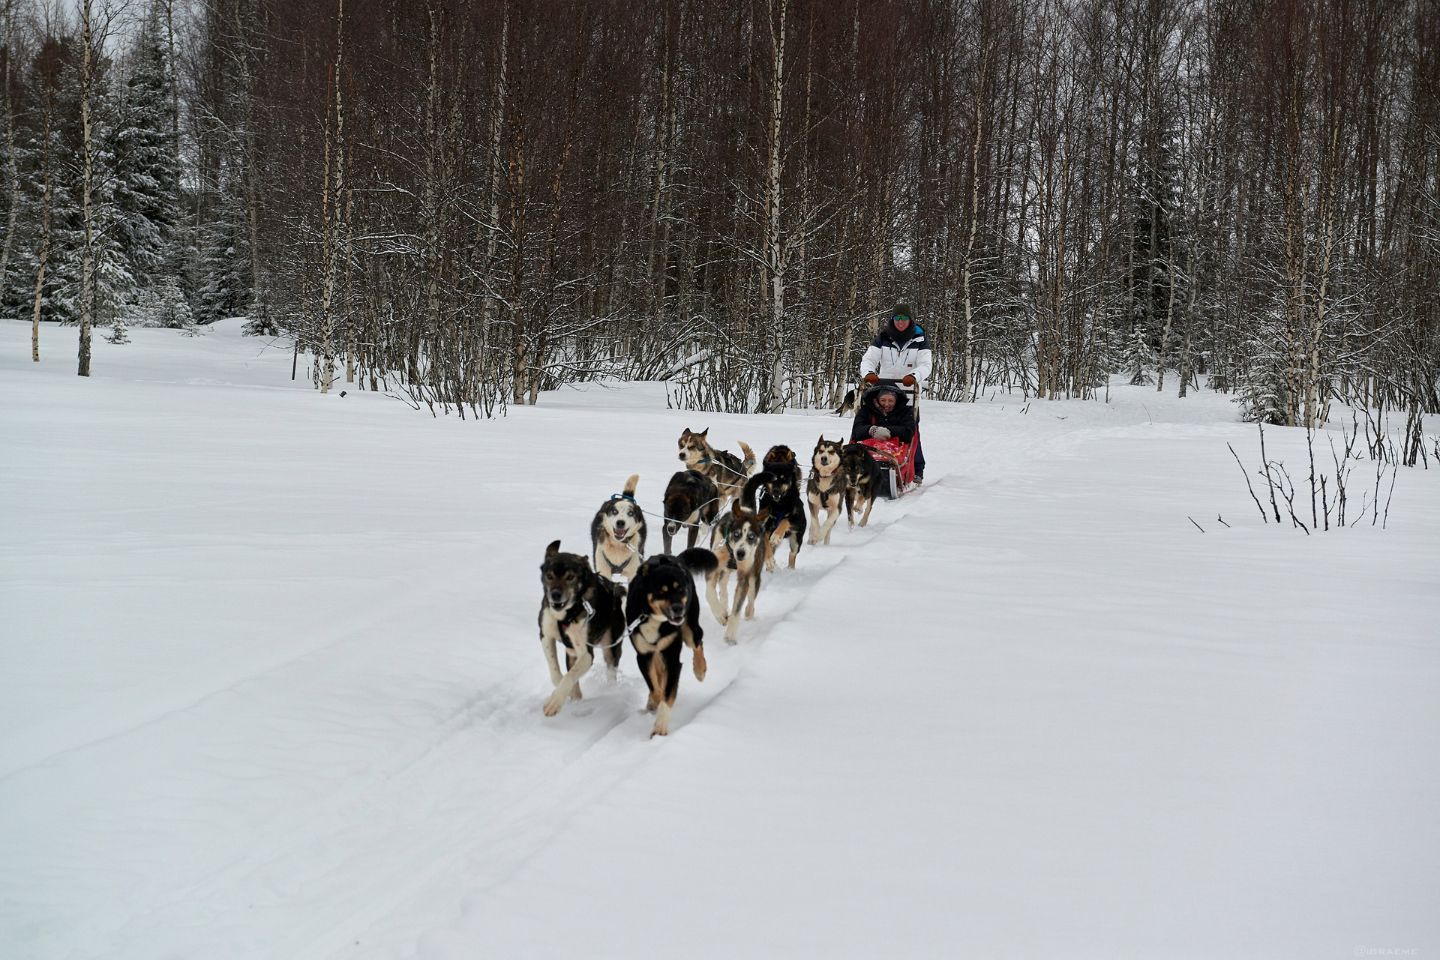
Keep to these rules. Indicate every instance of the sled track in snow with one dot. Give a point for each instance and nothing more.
(493, 783)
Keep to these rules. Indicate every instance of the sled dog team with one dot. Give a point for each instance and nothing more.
(653, 599)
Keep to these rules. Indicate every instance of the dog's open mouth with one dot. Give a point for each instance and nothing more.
(676, 620)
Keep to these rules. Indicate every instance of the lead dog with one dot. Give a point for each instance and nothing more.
(862, 481)
(724, 468)
(825, 491)
(691, 499)
(617, 535)
(663, 612)
(581, 611)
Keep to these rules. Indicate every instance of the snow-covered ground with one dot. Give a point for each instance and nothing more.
(270, 688)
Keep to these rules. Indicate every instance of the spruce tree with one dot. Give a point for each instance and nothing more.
(146, 182)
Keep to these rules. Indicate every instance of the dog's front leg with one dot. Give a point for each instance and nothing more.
(716, 594)
(547, 644)
(568, 685)
(751, 595)
(831, 515)
(814, 521)
(742, 590)
(869, 505)
(850, 507)
(772, 545)
(659, 683)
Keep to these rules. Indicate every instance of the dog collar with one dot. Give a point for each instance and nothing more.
(622, 496)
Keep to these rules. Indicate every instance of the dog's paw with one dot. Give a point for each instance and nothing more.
(699, 665)
(553, 704)
(575, 693)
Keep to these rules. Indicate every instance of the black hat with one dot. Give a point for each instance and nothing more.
(901, 310)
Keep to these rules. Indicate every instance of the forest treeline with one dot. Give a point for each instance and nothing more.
(469, 201)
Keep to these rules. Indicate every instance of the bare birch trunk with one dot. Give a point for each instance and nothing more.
(173, 79)
(331, 213)
(497, 129)
(45, 202)
(243, 29)
(968, 384)
(87, 212)
(775, 242)
(431, 196)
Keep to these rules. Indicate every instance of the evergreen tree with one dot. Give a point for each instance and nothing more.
(223, 289)
(146, 190)
(49, 207)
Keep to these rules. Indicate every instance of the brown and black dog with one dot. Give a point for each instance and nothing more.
(724, 468)
(663, 611)
(691, 499)
(784, 500)
(582, 611)
(825, 491)
(862, 481)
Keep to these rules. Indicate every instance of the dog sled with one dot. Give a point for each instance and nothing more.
(896, 458)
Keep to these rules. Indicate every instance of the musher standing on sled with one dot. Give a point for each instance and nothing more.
(900, 352)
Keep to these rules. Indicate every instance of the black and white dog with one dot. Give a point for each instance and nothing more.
(617, 535)
(741, 543)
(663, 613)
(691, 498)
(582, 611)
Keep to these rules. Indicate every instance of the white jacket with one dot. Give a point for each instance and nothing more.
(891, 361)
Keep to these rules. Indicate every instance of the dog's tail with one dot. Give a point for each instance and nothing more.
(631, 484)
(749, 463)
(698, 560)
(846, 405)
(749, 500)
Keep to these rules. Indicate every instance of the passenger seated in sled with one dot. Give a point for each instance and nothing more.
(885, 423)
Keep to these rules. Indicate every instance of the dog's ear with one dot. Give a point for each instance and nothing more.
(551, 550)
(703, 432)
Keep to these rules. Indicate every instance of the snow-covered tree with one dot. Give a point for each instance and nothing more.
(146, 190)
(223, 289)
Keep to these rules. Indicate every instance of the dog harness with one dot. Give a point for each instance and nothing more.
(573, 616)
